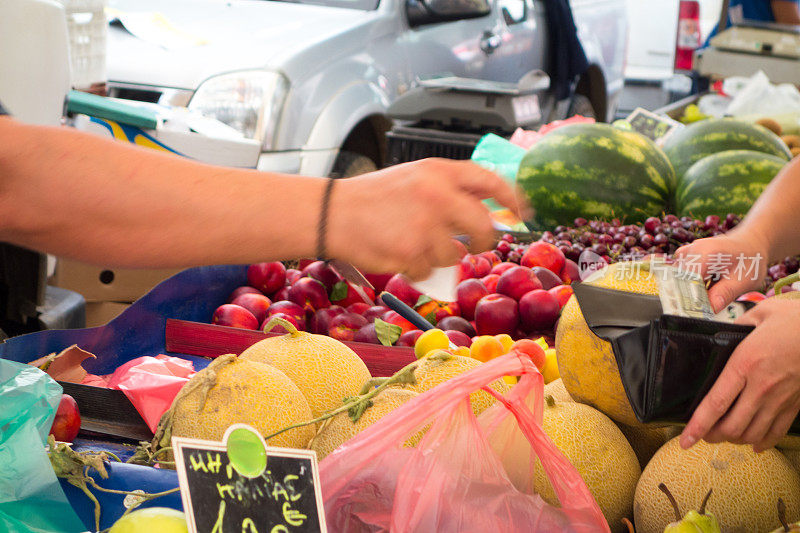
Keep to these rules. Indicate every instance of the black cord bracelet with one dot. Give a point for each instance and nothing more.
(322, 228)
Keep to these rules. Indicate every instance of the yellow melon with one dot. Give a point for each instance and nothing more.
(586, 363)
(433, 371)
(793, 455)
(231, 390)
(558, 391)
(789, 442)
(746, 486)
(646, 440)
(341, 428)
(793, 295)
(600, 453)
(324, 369)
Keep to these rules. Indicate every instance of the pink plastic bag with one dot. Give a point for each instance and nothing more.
(467, 474)
(527, 138)
(150, 383)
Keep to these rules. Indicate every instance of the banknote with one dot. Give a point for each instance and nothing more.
(682, 293)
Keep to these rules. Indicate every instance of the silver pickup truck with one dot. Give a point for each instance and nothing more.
(311, 80)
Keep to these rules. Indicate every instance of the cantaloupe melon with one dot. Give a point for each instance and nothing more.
(558, 391)
(646, 440)
(746, 486)
(325, 370)
(231, 390)
(341, 428)
(585, 361)
(598, 450)
(789, 442)
(433, 370)
(793, 456)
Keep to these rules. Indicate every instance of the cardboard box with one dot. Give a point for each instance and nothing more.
(98, 284)
(101, 313)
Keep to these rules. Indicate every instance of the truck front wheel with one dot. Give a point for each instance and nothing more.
(350, 164)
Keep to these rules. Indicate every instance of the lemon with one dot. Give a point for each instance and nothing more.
(161, 519)
(550, 368)
(433, 339)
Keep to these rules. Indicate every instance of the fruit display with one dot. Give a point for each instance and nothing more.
(731, 180)
(491, 299)
(746, 486)
(691, 144)
(600, 453)
(514, 298)
(595, 171)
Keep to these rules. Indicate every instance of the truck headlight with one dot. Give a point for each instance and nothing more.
(248, 101)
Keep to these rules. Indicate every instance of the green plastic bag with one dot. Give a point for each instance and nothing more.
(502, 157)
(31, 499)
(499, 155)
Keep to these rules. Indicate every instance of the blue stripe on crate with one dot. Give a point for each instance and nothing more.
(193, 295)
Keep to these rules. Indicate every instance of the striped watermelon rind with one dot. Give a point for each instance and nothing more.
(595, 171)
(727, 182)
(712, 136)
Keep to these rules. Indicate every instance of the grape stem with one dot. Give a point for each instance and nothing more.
(788, 280)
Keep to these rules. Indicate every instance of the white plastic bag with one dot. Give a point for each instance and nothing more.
(759, 96)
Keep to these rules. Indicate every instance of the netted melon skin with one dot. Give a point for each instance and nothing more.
(746, 486)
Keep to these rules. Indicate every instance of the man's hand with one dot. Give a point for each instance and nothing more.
(403, 218)
(757, 396)
(738, 260)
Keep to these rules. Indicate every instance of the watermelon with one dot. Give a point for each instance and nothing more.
(595, 171)
(691, 144)
(727, 182)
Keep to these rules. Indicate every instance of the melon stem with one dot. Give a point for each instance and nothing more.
(705, 501)
(788, 280)
(403, 376)
(628, 524)
(663, 488)
(278, 321)
(373, 382)
(782, 513)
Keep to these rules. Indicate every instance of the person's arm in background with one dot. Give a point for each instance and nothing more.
(786, 11)
(80, 196)
(757, 396)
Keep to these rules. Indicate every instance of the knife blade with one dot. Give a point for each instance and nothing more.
(354, 276)
(350, 273)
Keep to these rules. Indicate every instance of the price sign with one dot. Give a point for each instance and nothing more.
(651, 125)
(225, 490)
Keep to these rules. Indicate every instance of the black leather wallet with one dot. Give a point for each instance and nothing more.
(667, 363)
